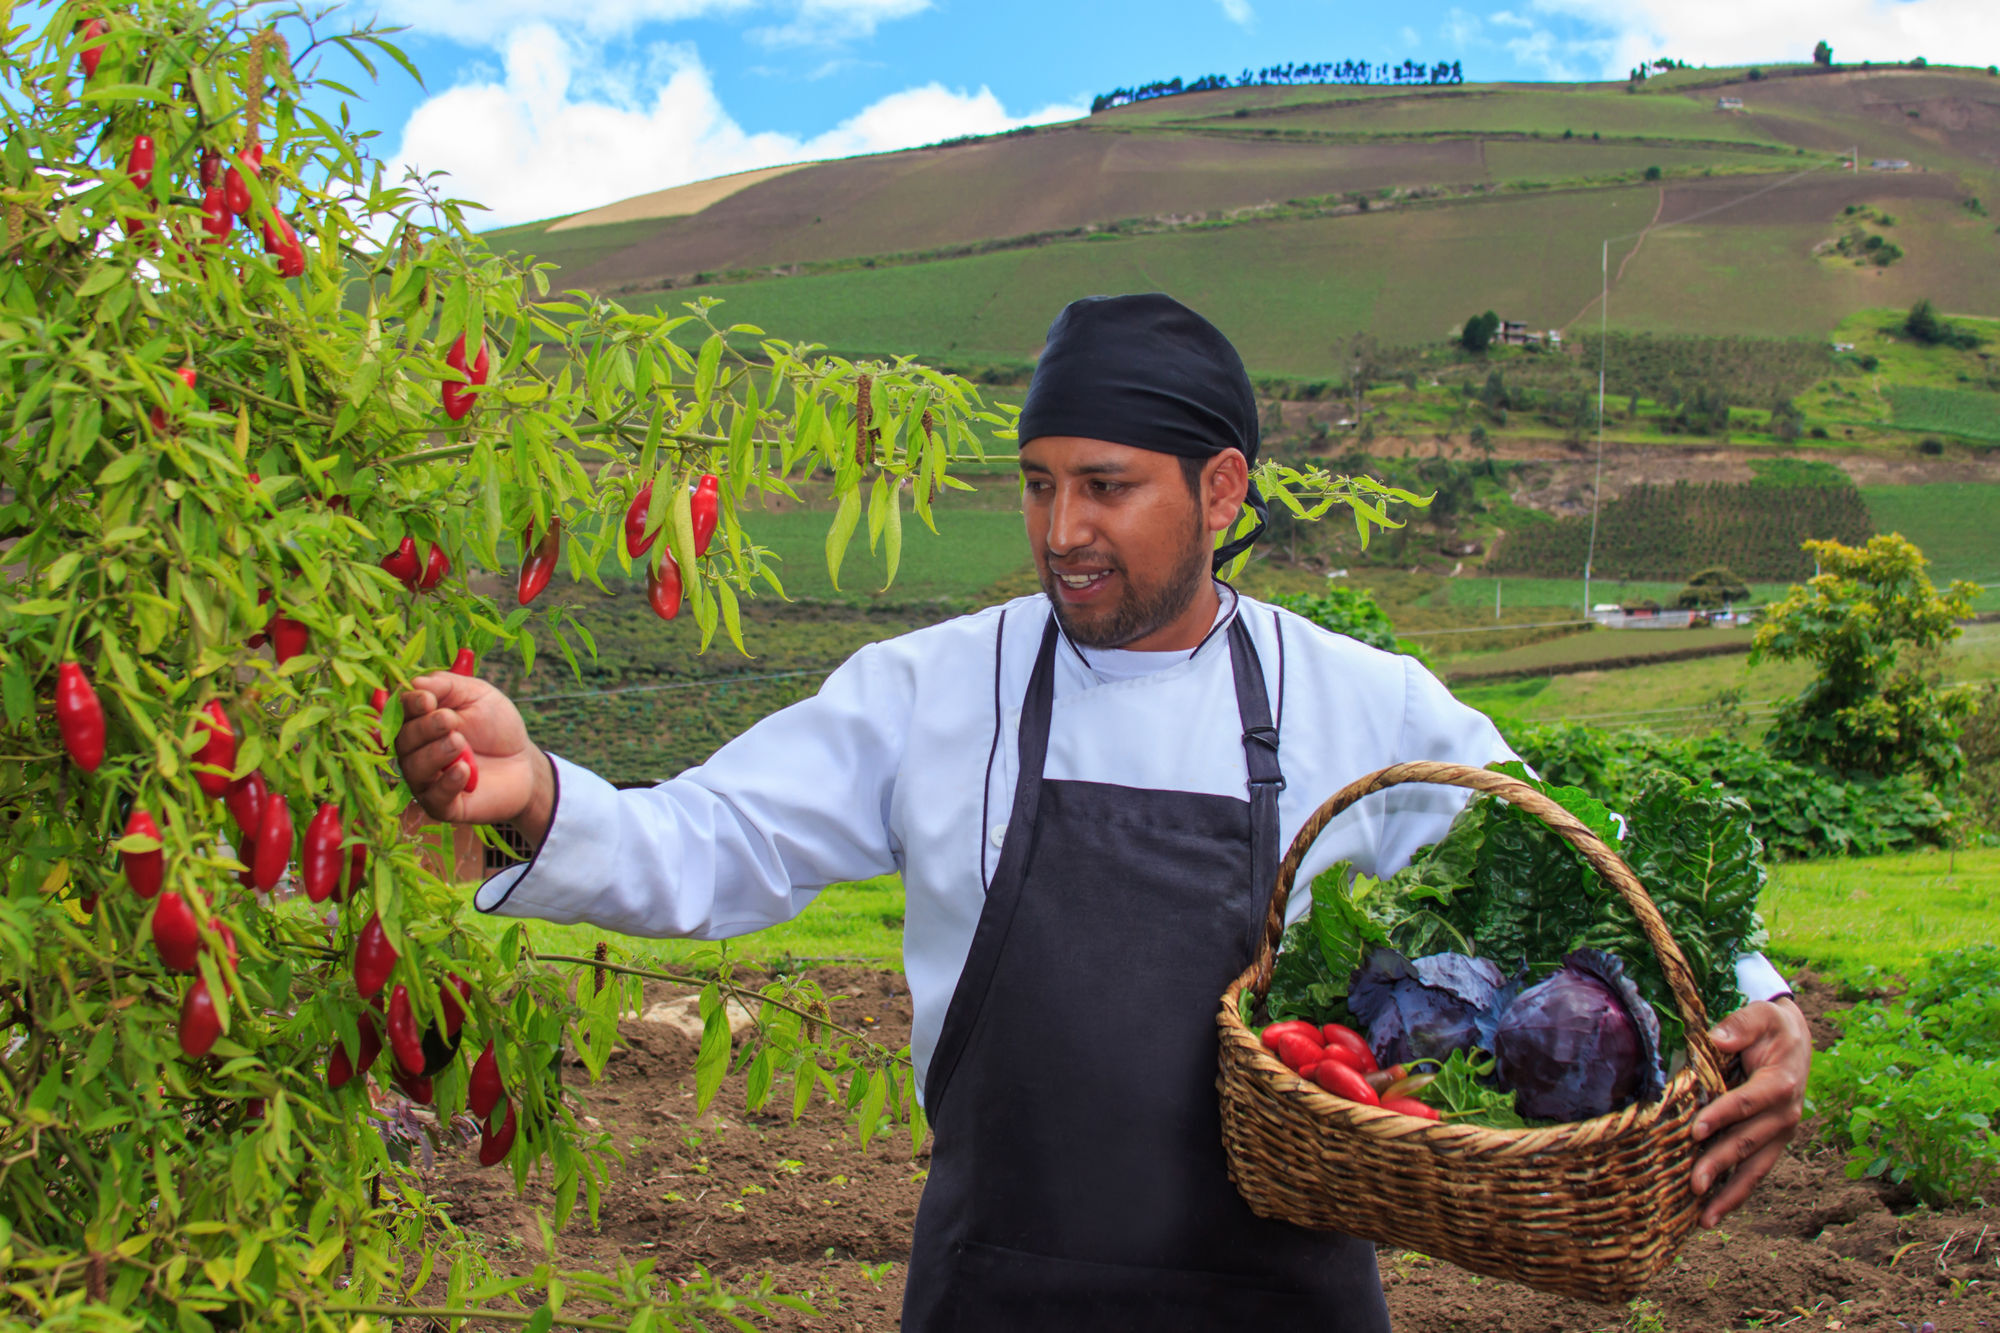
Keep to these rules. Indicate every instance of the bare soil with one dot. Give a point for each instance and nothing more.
(745, 1195)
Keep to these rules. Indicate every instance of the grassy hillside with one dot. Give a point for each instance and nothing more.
(1299, 216)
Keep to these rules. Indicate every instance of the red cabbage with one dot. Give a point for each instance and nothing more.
(1427, 1008)
(1580, 1044)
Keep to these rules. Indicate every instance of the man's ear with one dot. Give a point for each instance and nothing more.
(1225, 484)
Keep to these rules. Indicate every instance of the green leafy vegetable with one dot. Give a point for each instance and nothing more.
(1461, 1097)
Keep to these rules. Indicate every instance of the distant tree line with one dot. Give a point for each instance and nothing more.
(1325, 71)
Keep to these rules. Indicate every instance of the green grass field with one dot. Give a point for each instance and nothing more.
(1968, 415)
(1866, 919)
(1859, 920)
(1956, 523)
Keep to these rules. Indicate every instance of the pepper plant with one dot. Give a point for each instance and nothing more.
(264, 411)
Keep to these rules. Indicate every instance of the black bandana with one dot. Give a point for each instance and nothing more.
(1148, 372)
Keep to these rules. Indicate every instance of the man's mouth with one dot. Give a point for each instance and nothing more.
(1081, 584)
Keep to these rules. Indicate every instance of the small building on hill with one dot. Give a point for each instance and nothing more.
(1889, 164)
(1728, 104)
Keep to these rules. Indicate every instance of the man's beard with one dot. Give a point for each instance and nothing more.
(1137, 614)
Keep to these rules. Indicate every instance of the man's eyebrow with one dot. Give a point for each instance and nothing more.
(1105, 469)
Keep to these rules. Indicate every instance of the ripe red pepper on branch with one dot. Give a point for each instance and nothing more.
(378, 701)
(402, 565)
(236, 190)
(174, 932)
(319, 858)
(465, 664)
(79, 717)
(200, 1024)
(288, 637)
(282, 241)
(471, 770)
(637, 540)
(453, 996)
(663, 587)
(245, 798)
(483, 1091)
(139, 162)
(216, 219)
(273, 843)
(158, 416)
(210, 171)
(92, 55)
(144, 871)
(703, 510)
(374, 958)
(262, 636)
(436, 566)
(357, 871)
(405, 1040)
(458, 397)
(539, 568)
(494, 1144)
(218, 752)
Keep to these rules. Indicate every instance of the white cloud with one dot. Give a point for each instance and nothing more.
(1460, 28)
(1730, 32)
(1239, 13)
(488, 22)
(538, 141)
(819, 22)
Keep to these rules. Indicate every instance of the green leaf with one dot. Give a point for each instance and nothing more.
(705, 369)
(711, 1064)
(844, 521)
(892, 532)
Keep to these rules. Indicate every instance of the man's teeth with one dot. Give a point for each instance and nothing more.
(1082, 580)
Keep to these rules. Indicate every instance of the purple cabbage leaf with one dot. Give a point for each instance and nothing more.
(1580, 1044)
(1427, 1008)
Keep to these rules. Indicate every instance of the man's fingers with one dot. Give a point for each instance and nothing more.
(1754, 1169)
(425, 765)
(440, 795)
(1740, 1144)
(419, 732)
(1765, 1090)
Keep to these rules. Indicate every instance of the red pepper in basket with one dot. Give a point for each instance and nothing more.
(79, 717)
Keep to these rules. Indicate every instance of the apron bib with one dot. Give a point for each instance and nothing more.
(1077, 1178)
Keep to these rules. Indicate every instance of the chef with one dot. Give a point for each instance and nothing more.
(1086, 793)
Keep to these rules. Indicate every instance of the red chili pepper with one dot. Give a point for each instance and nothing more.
(319, 858)
(539, 568)
(245, 798)
(227, 936)
(339, 1069)
(289, 637)
(139, 162)
(282, 241)
(471, 770)
(402, 563)
(210, 171)
(374, 958)
(703, 511)
(452, 998)
(494, 1144)
(637, 540)
(371, 1046)
(274, 843)
(378, 700)
(79, 717)
(236, 188)
(416, 1089)
(404, 1037)
(144, 870)
(92, 55)
(436, 566)
(158, 416)
(663, 587)
(483, 1092)
(464, 664)
(458, 397)
(357, 871)
(174, 932)
(200, 1024)
(253, 1108)
(218, 752)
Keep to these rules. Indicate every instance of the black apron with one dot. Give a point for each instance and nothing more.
(1077, 1179)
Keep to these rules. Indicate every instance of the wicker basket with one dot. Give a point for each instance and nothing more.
(1591, 1210)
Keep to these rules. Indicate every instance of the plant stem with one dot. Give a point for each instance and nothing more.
(446, 1312)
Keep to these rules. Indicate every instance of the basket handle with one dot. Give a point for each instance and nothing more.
(1702, 1055)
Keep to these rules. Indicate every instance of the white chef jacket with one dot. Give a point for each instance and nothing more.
(905, 762)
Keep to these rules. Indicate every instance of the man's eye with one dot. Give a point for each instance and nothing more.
(1107, 487)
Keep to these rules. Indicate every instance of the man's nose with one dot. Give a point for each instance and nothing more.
(1070, 527)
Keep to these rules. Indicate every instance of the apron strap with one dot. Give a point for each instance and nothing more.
(1260, 751)
(1003, 895)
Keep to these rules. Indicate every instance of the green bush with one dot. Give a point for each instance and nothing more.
(1797, 812)
(1913, 1087)
(1353, 612)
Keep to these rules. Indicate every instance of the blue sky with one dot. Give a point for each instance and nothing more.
(539, 108)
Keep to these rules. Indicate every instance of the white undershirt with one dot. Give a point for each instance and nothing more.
(1112, 664)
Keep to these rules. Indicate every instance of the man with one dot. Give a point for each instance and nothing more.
(1086, 793)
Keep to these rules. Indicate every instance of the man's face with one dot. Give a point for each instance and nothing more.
(1120, 542)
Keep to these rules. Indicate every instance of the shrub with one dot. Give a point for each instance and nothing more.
(1912, 1089)
(1652, 173)
(1354, 612)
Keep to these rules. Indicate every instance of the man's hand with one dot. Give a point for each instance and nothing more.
(445, 716)
(1752, 1123)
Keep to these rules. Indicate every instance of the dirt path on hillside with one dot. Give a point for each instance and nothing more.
(744, 1195)
(1638, 241)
